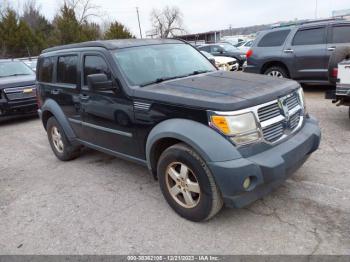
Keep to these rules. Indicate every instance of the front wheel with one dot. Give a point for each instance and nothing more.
(59, 142)
(276, 71)
(187, 184)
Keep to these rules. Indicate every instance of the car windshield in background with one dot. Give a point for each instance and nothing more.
(150, 64)
(14, 68)
(229, 47)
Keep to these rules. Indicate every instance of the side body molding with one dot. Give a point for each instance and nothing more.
(211, 146)
(50, 106)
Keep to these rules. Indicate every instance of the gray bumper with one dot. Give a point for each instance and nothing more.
(268, 169)
(251, 69)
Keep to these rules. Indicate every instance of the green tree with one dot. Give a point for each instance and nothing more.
(117, 30)
(66, 27)
(17, 38)
(90, 31)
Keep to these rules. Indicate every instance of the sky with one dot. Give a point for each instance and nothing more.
(204, 15)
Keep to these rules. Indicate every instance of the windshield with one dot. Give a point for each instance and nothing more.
(14, 68)
(145, 65)
(228, 47)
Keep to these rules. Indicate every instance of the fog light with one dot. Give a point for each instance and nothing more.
(246, 183)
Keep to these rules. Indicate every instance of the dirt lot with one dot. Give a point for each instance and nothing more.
(99, 204)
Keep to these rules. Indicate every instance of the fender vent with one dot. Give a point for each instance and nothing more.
(141, 106)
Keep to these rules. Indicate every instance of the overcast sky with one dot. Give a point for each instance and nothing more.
(205, 15)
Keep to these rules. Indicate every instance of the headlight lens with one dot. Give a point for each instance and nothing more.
(302, 98)
(241, 129)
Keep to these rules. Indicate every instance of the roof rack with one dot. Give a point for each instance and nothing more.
(307, 22)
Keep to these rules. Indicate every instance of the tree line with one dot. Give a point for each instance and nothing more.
(28, 33)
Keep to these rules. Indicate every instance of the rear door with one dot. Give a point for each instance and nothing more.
(339, 35)
(308, 48)
(108, 119)
(58, 76)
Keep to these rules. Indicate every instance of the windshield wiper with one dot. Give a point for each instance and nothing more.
(17, 75)
(197, 72)
(162, 79)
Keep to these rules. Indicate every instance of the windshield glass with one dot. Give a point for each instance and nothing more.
(144, 65)
(228, 47)
(14, 68)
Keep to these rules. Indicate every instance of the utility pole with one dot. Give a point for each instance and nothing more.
(316, 9)
(138, 18)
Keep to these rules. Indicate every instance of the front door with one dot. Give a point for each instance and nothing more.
(309, 50)
(108, 118)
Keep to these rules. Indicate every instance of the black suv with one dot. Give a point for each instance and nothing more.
(300, 52)
(17, 88)
(209, 137)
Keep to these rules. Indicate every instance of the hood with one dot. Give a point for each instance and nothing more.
(224, 59)
(220, 90)
(16, 81)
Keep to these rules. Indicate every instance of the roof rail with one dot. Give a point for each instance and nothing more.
(307, 22)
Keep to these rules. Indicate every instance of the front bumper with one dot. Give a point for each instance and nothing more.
(250, 69)
(267, 169)
(17, 107)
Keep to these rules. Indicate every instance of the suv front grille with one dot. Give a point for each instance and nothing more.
(20, 93)
(273, 132)
(281, 117)
(268, 112)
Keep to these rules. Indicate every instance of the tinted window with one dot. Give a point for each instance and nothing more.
(313, 36)
(45, 69)
(67, 69)
(341, 34)
(274, 38)
(204, 48)
(95, 65)
(216, 49)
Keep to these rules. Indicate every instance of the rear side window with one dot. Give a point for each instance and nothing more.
(205, 48)
(94, 64)
(315, 36)
(67, 69)
(274, 38)
(45, 71)
(341, 34)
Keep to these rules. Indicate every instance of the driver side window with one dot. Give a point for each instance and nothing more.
(94, 64)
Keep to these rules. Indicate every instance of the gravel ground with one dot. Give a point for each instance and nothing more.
(98, 204)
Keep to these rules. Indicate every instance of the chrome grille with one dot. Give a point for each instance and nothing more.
(292, 101)
(273, 132)
(280, 118)
(268, 112)
(19, 93)
(294, 120)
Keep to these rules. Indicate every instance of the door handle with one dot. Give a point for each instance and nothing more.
(84, 97)
(332, 48)
(288, 50)
(55, 92)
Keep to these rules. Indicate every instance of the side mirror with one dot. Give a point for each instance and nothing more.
(100, 82)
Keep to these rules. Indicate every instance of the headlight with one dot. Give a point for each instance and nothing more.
(302, 98)
(241, 128)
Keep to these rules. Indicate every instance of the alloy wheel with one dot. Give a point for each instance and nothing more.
(275, 73)
(57, 139)
(183, 185)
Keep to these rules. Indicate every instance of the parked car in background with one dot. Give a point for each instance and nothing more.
(31, 62)
(209, 137)
(245, 46)
(222, 62)
(17, 88)
(300, 52)
(225, 49)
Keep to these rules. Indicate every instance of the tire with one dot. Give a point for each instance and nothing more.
(276, 71)
(339, 54)
(59, 143)
(199, 185)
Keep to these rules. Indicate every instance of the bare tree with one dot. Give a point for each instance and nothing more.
(167, 22)
(84, 9)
